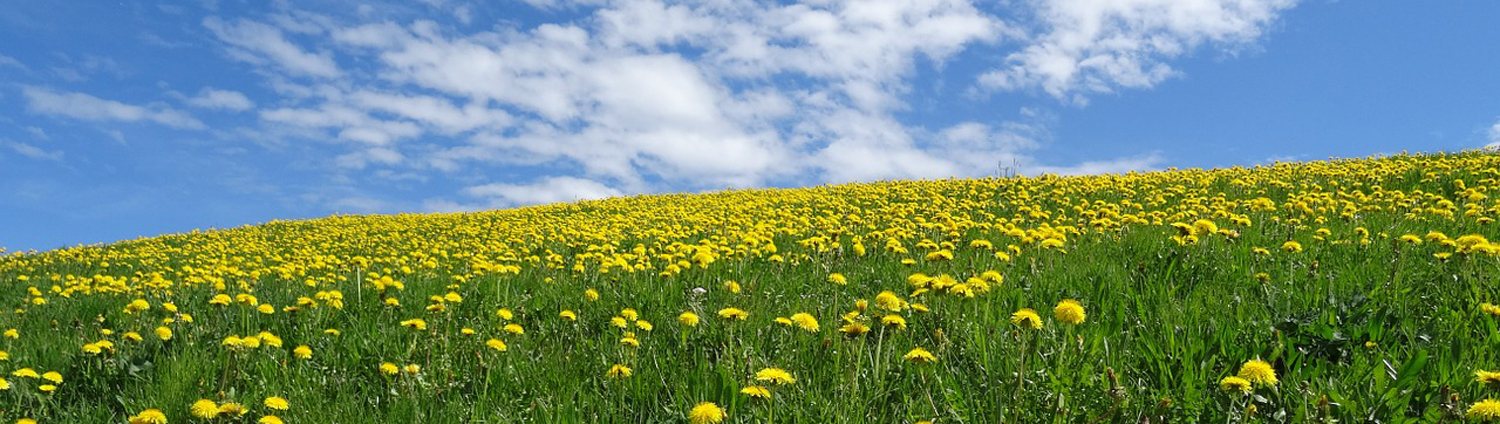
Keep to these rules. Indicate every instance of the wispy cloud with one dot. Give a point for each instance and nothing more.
(1079, 48)
(11, 62)
(256, 42)
(89, 108)
(1494, 134)
(34, 152)
(212, 98)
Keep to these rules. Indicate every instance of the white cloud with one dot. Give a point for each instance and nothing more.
(256, 42)
(1098, 46)
(1494, 136)
(437, 112)
(7, 61)
(349, 123)
(544, 191)
(212, 98)
(34, 152)
(86, 107)
(645, 95)
(1147, 162)
(362, 158)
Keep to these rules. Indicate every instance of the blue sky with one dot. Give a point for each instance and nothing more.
(129, 119)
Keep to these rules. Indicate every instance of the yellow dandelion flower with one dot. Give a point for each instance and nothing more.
(1291, 247)
(415, 323)
(411, 369)
(137, 306)
(1235, 384)
(505, 314)
(205, 409)
(837, 278)
(26, 373)
(1485, 410)
(163, 333)
(302, 352)
(618, 371)
(688, 318)
(1489, 308)
(1258, 372)
(1069, 311)
(706, 413)
(514, 329)
(1026, 318)
(149, 416)
(233, 408)
(496, 344)
(775, 376)
(1490, 378)
(277, 403)
(893, 321)
(389, 368)
(618, 322)
(733, 314)
(889, 301)
(270, 419)
(53, 376)
(568, 315)
(47, 387)
(756, 392)
(854, 329)
(805, 321)
(919, 356)
(591, 295)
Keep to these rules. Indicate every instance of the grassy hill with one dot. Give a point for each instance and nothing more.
(1348, 290)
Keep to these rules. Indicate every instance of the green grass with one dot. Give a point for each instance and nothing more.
(1378, 332)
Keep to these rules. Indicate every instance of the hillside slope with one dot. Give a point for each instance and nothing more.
(1349, 289)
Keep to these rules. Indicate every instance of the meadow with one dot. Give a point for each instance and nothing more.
(1350, 290)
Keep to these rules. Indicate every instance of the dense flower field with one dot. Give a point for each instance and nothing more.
(1345, 290)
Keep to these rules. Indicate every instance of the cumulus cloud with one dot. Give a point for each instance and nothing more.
(648, 95)
(211, 98)
(1099, 46)
(89, 108)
